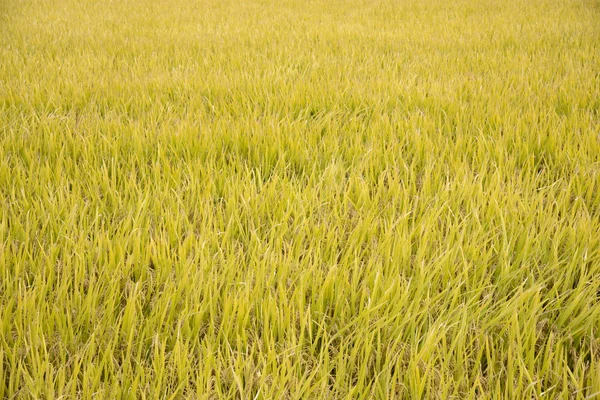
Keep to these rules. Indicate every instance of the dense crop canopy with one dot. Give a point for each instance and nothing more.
(266, 199)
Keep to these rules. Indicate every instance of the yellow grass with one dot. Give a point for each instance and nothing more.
(263, 199)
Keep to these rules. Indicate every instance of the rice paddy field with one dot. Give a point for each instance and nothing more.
(285, 199)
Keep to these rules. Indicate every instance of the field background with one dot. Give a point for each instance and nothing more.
(300, 199)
